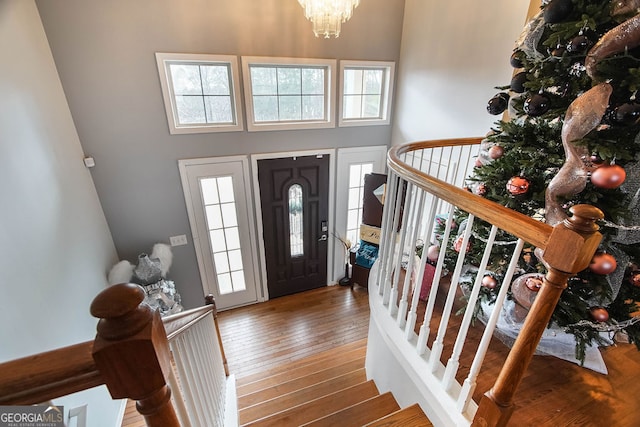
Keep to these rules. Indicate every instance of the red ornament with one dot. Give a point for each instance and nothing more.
(489, 282)
(599, 314)
(478, 162)
(496, 152)
(518, 186)
(603, 263)
(533, 283)
(433, 252)
(635, 278)
(608, 177)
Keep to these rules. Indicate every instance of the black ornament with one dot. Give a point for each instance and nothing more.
(579, 44)
(515, 60)
(536, 105)
(558, 51)
(498, 103)
(518, 81)
(626, 114)
(557, 11)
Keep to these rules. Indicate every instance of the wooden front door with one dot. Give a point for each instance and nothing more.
(294, 194)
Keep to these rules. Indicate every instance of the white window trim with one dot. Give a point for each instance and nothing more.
(387, 92)
(330, 88)
(164, 59)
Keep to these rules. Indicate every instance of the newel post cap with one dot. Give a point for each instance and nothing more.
(584, 218)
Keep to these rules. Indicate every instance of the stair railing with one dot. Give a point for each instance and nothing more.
(424, 187)
(174, 368)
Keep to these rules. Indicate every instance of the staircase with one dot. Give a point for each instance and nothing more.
(326, 389)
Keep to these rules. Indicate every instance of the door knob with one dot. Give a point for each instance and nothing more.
(322, 238)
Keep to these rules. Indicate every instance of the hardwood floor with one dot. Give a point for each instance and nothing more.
(554, 392)
(282, 330)
(272, 336)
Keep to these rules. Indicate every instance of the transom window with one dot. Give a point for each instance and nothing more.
(365, 93)
(287, 93)
(200, 92)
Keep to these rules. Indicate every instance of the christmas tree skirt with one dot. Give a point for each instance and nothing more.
(554, 342)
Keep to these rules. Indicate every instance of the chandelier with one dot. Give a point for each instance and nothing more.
(327, 16)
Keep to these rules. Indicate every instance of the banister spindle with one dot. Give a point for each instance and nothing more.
(569, 250)
(211, 300)
(132, 353)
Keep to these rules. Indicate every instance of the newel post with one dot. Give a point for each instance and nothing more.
(132, 353)
(211, 300)
(570, 249)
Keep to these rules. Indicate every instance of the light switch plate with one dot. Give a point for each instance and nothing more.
(178, 240)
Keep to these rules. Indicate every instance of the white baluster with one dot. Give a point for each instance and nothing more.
(454, 361)
(413, 224)
(405, 229)
(200, 373)
(425, 328)
(412, 316)
(438, 344)
(469, 384)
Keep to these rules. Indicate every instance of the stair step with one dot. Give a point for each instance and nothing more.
(298, 397)
(284, 387)
(325, 358)
(319, 407)
(361, 413)
(412, 416)
(293, 373)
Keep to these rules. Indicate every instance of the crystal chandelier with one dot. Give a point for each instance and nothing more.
(327, 16)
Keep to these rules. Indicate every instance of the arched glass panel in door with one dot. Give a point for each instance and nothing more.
(296, 236)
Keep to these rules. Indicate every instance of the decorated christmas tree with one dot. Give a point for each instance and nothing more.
(572, 137)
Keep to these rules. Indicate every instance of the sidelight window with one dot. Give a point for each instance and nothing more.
(222, 223)
(357, 172)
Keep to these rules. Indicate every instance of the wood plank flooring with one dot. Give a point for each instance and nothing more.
(276, 335)
(282, 330)
(553, 392)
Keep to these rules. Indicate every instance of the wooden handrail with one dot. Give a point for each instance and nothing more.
(130, 355)
(179, 322)
(175, 324)
(38, 378)
(567, 249)
(520, 225)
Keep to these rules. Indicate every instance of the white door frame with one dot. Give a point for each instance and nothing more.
(183, 165)
(258, 208)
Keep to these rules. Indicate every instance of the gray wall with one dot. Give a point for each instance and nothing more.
(55, 246)
(444, 84)
(104, 51)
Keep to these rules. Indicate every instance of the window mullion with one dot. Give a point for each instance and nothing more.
(204, 103)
